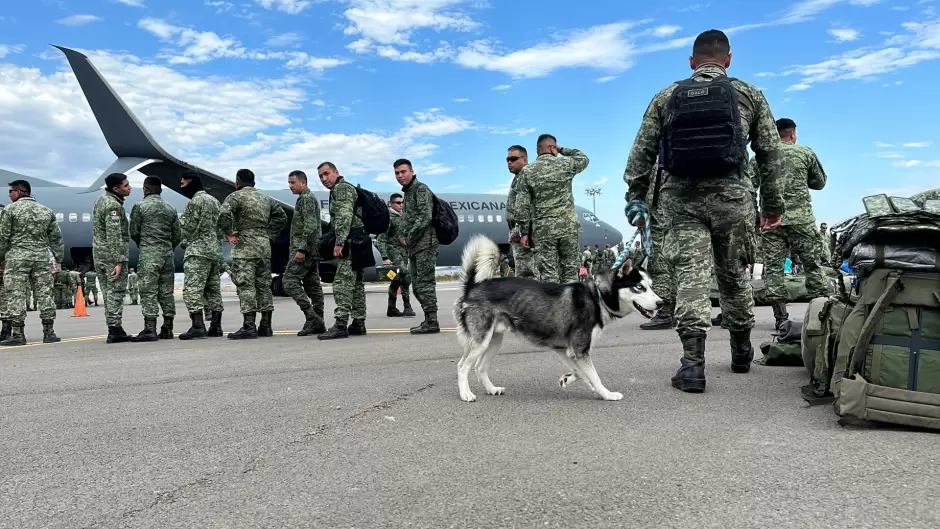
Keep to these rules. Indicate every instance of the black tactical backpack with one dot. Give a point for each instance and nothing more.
(375, 215)
(702, 134)
(444, 221)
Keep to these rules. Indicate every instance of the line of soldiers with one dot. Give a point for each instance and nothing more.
(597, 258)
(700, 221)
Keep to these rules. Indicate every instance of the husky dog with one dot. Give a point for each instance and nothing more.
(566, 318)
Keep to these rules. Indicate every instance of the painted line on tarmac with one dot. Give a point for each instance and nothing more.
(276, 333)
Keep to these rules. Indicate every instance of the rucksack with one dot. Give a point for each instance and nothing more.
(444, 221)
(375, 216)
(887, 362)
(702, 134)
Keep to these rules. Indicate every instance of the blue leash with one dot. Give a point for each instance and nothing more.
(636, 209)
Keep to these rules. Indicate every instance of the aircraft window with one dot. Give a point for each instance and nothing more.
(86, 217)
(59, 217)
(499, 218)
(489, 218)
(469, 218)
(480, 218)
(459, 218)
(73, 217)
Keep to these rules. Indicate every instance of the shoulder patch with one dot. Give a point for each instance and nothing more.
(115, 213)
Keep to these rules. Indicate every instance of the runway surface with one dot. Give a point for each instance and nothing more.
(369, 432)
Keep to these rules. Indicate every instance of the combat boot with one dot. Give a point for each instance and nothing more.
(16, 337)
(428, 326)
(264, 328)
(248, 329)
(408, 312)
(691, 376)
(198, 328)
(742, 353)
(357, 327)
(5, 331)
(166, 330)
(338, 330)
(393, 311)
(48, 332)
(719, 321)
(215, 327)
(780, 314)
(149, 334)
(117, 335)
(313, 325)
(663, 320)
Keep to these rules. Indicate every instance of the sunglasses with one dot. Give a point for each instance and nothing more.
(397, 202)
(512, 158)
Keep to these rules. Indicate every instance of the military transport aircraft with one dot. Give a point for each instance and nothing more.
(136, 150)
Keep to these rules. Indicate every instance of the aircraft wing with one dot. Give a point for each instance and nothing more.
(9, 176)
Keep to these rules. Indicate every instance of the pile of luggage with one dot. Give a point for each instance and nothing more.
(873, 350)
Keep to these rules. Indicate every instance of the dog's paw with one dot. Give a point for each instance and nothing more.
(467, 396)
(567, 378)
(613, 395)
(496, 390)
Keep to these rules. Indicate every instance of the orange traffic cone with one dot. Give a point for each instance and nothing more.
(80, 304)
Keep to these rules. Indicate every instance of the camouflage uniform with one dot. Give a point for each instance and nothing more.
(423, 250)
(921, 198)
(109, 249)
(523, 258)
(302, 280)
(390, 247)
(133, 287)
(825, 254)
(60, 289)
(705, 217)
(202, 261)
(349, 292)
(256, 219)
(546, 201)
(801, 171)
(155, 228)
(91, 286)
(28, 230)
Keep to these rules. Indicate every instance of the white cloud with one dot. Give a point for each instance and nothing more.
(907, 163)
(844, 34)
(7, 49)
(502, 87)
(665, 31)
(889, 155)
(390, 52)
(394, 21)
(78, 20)
(284, 40)
(606, 79)
(604, 47)
(918, 144)
(291, 7)
(602, 181)
(454, 186)
(132, 3)
(221, 5)
(46, 127)
(461, 100)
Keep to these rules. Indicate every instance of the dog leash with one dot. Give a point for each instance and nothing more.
(636, 209)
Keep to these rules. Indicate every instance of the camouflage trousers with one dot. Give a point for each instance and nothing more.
(253, 284)
(93, 289)
(422, 264)
(801, 242)
(202, 285)
(134, 291)
(349, 292)
(660, 268)
(523, 259)
(558, 255)
(402, 281)
(719, 224)
(113, 292)
(302, 282)
(155, 281)
(16, 280)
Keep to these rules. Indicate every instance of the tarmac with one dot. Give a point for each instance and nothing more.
(369, 432)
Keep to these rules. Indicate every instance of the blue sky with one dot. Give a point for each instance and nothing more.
(276, 85)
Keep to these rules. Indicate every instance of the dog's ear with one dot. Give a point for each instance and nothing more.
(625, 268)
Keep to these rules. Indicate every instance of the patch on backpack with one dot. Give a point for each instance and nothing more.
(697, 92)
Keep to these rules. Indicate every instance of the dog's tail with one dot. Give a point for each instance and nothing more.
(480, 261)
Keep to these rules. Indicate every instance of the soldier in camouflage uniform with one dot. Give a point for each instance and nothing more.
(523, 256)
(91, 284)
(202, 260)
(251, 220)
(394, 254)
(302, 275)
(60, 287)
(155, 228)
(348, 290)
(133, 287)
(825, 253)
(546, 201)
(710, 214)
(797, 232)
(28, 230)
(110, 253)
(420, 240)
(5, 323)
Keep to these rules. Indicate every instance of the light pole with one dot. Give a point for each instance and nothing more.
(593, 192)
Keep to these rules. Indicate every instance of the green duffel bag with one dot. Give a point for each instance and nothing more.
(822, 327)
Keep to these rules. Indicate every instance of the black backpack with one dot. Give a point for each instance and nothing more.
(374, 211)
(444, 221)
(702, 134)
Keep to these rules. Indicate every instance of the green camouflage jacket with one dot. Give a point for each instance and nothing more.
(305, 226)
(255, 218)
(419, 207)
(28, 230)
(545, 198)
(110, 227)
(388, 243)
(200, 226)
(155, 227)
(345, 211)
